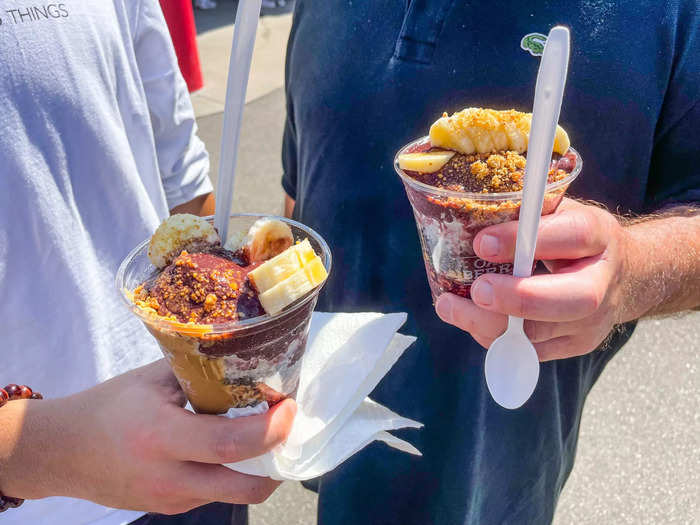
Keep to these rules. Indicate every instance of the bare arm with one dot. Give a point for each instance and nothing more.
(203, 205)
(663, 264)
(289, 204)
(128, 443)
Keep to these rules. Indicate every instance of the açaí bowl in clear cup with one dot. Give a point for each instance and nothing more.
(233, 364)
(448, 221)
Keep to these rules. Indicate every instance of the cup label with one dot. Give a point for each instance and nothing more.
(473, 267)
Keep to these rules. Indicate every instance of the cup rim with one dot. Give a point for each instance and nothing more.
(229, 326)
(504, 196)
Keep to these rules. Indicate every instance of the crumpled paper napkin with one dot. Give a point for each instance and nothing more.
(346, 357)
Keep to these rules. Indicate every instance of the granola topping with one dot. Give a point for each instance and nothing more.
(201, 288)
(498, 172)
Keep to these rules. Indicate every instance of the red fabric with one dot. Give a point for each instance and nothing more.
(180, 19)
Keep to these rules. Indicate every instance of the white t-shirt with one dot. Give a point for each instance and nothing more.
(97, 143)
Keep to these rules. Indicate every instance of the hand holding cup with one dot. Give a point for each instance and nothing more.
(568, 312)
(129, 443)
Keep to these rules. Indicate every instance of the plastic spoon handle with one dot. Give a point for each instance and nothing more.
(549, 91)
(247, 16)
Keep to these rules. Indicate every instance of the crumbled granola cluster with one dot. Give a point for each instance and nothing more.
(199, 288)
(497, 172)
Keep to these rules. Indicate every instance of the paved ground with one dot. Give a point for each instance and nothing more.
(639, 453)
(215, 28)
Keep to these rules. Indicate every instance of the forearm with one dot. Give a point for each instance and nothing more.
(289, 204)
(662, 264)
(203, 205)
(32, 442)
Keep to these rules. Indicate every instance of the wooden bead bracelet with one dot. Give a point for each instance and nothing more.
(10, 393)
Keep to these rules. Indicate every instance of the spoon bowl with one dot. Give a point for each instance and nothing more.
(512, 367)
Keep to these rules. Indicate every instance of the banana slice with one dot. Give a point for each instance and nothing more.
(315, 271)
(561, 140)
(280, 267)
(478, 130)
(517, 133)
(180, 232)
(267, 238)
(286, 277)
(305, 252)
(293, 287)
(286, 292)
(428, 162)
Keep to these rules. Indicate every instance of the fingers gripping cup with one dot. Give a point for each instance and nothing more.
(232, 321)
(467, 175)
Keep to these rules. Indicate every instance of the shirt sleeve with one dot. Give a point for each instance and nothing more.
(674, 176)
(289, 157)
(182, 157)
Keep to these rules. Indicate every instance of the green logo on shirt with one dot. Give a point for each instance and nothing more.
(533, 43)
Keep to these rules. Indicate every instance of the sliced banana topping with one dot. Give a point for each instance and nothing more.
(427, 162)
(288, 276)
(286, 292)
(266, 238)
(180, 232)
(478, 130)
(281, 266)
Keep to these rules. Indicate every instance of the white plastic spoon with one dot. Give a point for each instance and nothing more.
(512, 367)
(244, 30)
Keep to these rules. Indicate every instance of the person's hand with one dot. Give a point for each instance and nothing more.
(568, 312)
(128, 443)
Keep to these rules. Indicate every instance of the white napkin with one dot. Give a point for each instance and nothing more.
(346, 357)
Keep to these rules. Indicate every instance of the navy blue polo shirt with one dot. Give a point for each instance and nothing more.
(366, 77)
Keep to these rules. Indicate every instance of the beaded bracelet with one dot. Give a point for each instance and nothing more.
(11, 393)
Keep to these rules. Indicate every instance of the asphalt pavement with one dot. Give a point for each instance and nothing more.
(638, 459)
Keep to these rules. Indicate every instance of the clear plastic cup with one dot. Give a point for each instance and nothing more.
(234, 364)
(448, 221)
